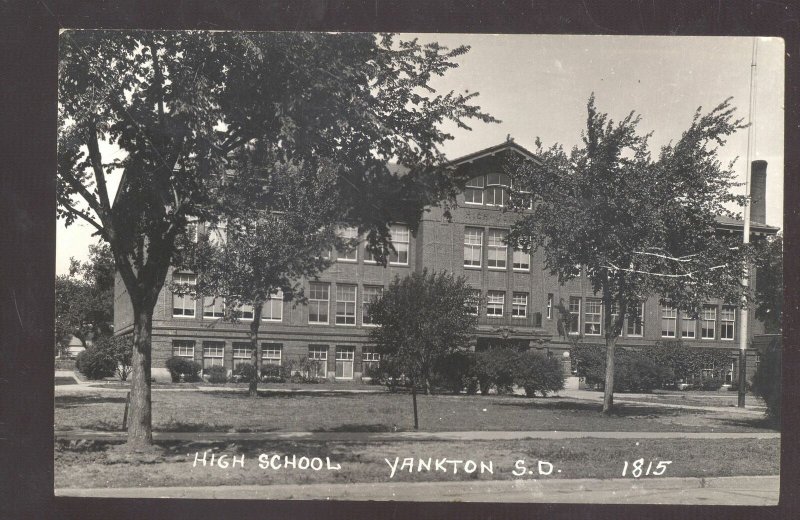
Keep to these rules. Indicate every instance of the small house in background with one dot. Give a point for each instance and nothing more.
(74, 347)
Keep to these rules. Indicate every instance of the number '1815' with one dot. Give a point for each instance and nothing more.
(638, 469)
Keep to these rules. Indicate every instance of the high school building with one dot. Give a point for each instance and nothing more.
(520, 300)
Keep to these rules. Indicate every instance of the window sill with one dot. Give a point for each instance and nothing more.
(345, 324)
(183, 317)
(475, 267)
(344, 261)
(395, 264)
(272, 320)
(318, 323)
(520, 270)
(497, 268)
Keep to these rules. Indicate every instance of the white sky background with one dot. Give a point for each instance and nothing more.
(539, 86)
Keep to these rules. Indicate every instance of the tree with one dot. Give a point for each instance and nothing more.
(769, 284)
(278, 221)
(85, 298)
(636, 226)
(179, 104)
(422, 318)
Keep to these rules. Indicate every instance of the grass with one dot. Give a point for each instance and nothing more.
(103, 464)
(235, 411)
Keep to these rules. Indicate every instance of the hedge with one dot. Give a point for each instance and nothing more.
(767, 380)
(536, 372)
(179, 366)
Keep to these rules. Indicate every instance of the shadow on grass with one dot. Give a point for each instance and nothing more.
(72, 401)
(180, 426)
(619, 410)
(761, 423)
(273, 394)
(373, 428)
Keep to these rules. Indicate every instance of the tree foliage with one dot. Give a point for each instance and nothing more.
(767, 379)
(769, 284)
(180, 105)
(85, 298)
(638, 225)
(422, 318)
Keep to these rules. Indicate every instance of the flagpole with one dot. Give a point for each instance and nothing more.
(744, 310)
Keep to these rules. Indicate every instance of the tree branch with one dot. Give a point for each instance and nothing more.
(87, 218)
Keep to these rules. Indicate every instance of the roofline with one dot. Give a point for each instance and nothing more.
(754, 227)
(492, 150)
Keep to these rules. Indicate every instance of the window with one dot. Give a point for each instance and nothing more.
(495, 192)
(218, 235)
(191, 229)
(475, 302)
(400, 239)
(213, 307)
(574, 314)
(614, 313)
(213, 354)
(519, 305)
(495, 300)
(370, 295)
(708, 322)
(246, 312)
(688, 326)
(273, 307)
(370, 358)
(318, 361)
(183, 348)
(271, 353)
(521, 261)
(349, 253)
(242, 354)
(593, 317)
(669, 317)
(549, 306)
(473, 246)
(345, 304)
(318, 302)
(727, 322)
(344, 362)
(473, 193)
(497, 249)
(183, 306)
(636, 320)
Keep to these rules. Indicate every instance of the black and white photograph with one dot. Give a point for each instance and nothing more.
(427, 267)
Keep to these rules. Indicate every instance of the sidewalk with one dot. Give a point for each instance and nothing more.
(752, 491)
(410, 436)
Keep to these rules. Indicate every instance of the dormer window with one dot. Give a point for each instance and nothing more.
(487, 190)
(473, 193)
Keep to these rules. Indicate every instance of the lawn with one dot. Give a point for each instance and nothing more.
(102, 464)
(235, 411)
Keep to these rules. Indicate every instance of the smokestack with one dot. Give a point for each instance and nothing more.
(758, 192)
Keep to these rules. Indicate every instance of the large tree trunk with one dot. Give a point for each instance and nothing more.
(608, 394)
(140, 428)
(256, 356)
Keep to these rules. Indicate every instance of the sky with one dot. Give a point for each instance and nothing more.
(538, 86)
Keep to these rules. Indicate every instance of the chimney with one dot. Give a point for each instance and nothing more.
(758, 192)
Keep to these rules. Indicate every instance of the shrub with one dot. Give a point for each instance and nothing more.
(536, 372)
(217, 374)
(95, 363)
(452, 372)
(273, 373)
(495, 368)
(244, 372)
(180, 366)
(636, 373)
(711, 383)
(120, 350)
(767, 380)
(633, 372)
